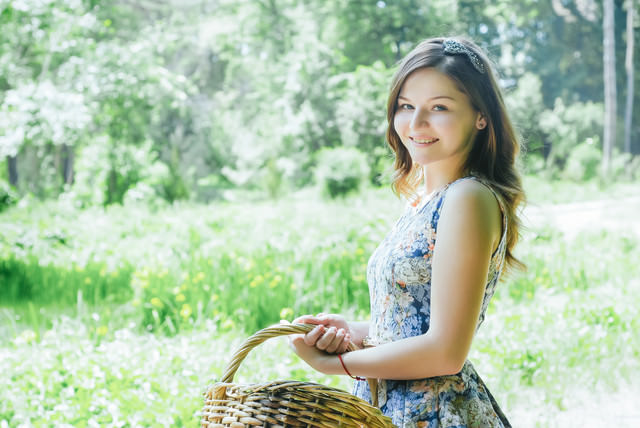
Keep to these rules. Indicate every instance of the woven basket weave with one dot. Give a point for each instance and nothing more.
(284, 404)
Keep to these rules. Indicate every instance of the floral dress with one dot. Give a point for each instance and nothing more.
(399, 276)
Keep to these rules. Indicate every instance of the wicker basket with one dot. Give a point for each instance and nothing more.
(281, 404)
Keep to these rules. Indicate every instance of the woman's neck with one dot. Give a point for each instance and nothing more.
(434, 179)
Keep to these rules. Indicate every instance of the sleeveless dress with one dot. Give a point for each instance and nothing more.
(399, 277)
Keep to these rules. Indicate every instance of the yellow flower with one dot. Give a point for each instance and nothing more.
(228, 324)
(286, 313)
(87, 280)
(199, 277)
(214, 297)
(256, 281)
(294, 286)
(186, 311)
(180, 298)
(157, 302)
(359, 251)
(102, 330)
(275, 281)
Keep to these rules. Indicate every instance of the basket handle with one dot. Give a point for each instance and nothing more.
(275, 331)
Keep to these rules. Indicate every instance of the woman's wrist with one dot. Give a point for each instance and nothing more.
(331, 365)
(359, 330)
(346, 370)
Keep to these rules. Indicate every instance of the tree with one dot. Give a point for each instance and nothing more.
(609, 61)
(628, 114)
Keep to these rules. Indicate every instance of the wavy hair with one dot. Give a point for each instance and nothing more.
(495, 149)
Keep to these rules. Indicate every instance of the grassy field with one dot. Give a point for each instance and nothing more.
(121, 316)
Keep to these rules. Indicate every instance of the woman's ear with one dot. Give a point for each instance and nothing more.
(481, 122)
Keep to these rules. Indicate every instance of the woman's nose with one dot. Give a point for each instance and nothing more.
(420, 119)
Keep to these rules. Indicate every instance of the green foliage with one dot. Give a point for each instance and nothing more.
(242, 95)
(361, 114)
(525, 106)
(8, 196)
(132, 174)
(26, 279)
(251, 291)
(180, 278)
(568, 126)
(625, 167)
(583, 162)
(341, 170)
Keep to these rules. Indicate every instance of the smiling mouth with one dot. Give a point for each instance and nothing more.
(425, 141)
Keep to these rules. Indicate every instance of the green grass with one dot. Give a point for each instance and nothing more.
(25, 279)
(244, 265)
(120, 317)
(541, 190)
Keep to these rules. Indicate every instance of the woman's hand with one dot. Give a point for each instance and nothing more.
(317, 359)
(332, 335)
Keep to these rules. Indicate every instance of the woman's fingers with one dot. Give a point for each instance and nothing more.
(307, 319)
(329, 339)
(332, 340)
(336, 344)
(312, 337)
(344, 346)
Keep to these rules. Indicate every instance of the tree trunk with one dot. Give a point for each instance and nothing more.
(12, 165)
(67, 164)
(609, 86)
(628, 115)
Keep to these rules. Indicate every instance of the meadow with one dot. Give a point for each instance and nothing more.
(121, 316)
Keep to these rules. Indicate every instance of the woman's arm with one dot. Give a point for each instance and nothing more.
(468, 231)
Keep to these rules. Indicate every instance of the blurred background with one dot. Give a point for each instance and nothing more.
(175, 175)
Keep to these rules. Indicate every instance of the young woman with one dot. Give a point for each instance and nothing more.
(432, 277)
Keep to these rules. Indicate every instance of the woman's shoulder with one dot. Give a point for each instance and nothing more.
(474, 197)
(474, 191)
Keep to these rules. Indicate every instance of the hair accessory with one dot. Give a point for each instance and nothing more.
(453, 47)
(347, 371)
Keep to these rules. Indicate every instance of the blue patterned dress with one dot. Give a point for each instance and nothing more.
(399, 276)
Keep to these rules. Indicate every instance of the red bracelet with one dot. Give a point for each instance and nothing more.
(347, 371)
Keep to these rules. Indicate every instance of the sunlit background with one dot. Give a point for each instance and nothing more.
(175, 175)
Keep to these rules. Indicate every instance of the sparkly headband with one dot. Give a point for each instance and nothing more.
(453, 47)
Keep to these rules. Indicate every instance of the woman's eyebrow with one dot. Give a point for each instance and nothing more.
(430, 99)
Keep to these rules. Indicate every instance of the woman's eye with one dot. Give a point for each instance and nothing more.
(405, 107)
(439, 107)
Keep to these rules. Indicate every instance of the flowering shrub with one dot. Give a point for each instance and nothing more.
(341, 170)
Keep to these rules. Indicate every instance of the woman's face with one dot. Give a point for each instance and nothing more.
(435, 120)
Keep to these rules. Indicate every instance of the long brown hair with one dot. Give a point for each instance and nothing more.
(493, 153)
